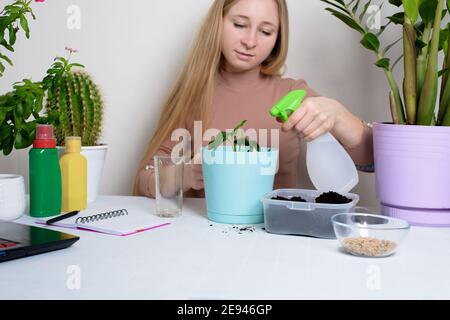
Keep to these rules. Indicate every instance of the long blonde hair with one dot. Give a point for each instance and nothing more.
(194, 88)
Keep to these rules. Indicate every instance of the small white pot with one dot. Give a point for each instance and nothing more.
(12, 196)
(95, 157)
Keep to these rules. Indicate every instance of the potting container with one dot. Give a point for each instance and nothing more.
(235, 182)
(303, 218)
(411, 171)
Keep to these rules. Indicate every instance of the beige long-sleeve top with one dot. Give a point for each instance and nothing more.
(250, 95)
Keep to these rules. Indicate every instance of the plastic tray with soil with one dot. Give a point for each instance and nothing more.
(297, 199)
(304, 211)
(330, 197)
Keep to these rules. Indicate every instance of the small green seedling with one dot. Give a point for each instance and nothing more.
(287, 105)
(243, 144)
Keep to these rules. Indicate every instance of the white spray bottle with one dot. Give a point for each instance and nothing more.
(329, 166)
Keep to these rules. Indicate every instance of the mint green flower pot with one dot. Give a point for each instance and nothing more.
(235, 183)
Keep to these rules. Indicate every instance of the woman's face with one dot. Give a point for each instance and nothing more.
(250, 31)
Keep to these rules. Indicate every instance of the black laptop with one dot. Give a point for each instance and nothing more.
(17, 240)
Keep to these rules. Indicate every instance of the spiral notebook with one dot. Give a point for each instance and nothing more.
(116, 222)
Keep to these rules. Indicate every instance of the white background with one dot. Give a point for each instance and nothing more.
(134, 50)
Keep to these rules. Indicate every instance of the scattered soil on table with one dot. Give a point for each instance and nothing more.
(239, 229)
(297, 199)
(371, 247)
(332, 198)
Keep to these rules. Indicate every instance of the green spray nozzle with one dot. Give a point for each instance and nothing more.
(287, 105)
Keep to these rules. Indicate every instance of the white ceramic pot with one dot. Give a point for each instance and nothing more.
(95, 157)
(12, 196)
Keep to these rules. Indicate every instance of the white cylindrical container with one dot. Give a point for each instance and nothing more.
(12, 196)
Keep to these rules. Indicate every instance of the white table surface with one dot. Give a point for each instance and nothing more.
(194, 258)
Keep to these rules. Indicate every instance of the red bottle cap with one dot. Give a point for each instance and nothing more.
(44, 137)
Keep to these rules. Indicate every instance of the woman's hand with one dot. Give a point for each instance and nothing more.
(193, 174)
(315, 117)
(319, 115)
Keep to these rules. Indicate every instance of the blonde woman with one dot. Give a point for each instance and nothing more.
(234, 72)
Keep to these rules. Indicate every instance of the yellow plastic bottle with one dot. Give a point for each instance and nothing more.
(73, 176)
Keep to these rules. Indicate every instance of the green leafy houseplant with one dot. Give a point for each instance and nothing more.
(423, 41)
(236, 177)
(238, 143)
(16, 109)
(26, 99)
(12, 18)
(73, 105)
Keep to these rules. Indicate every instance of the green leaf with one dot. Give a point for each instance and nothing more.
(420, 44)
(55, 70)
(60, 61)
(7, 146)
(7, 138)
(347, 20)
(363, 13)
(371, 42)
(214, 144)
(336, 6)
(7, 46)
(397, 18)
(18, 141)
(6, 59)
(443, 37)
(76, 65)
(12, 34)
(427, 11)
(24, 25)
(397, 3)
(2, 115)
(355, 7)
(379, 33)
(442, 72)
(383, 63)
(411, 8)
(239, 125)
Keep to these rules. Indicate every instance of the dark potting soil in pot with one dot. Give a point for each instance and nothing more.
(297, 199)
(332, 198)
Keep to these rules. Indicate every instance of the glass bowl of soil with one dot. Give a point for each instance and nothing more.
(369, 235)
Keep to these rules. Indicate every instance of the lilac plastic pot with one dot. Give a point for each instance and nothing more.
(412, 170)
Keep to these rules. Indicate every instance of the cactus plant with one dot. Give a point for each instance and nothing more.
(76, 99)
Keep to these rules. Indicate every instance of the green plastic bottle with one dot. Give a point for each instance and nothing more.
(45, 174)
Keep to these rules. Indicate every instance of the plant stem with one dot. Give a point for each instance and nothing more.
(444, 103)
(422, 59)
(397, 112)
(410, 80)
(428, 95)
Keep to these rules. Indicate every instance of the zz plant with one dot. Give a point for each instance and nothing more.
(424, 36)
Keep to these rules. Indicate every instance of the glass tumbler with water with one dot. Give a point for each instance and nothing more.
(169, 185)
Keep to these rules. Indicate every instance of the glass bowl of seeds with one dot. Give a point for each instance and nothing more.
(369, 235)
